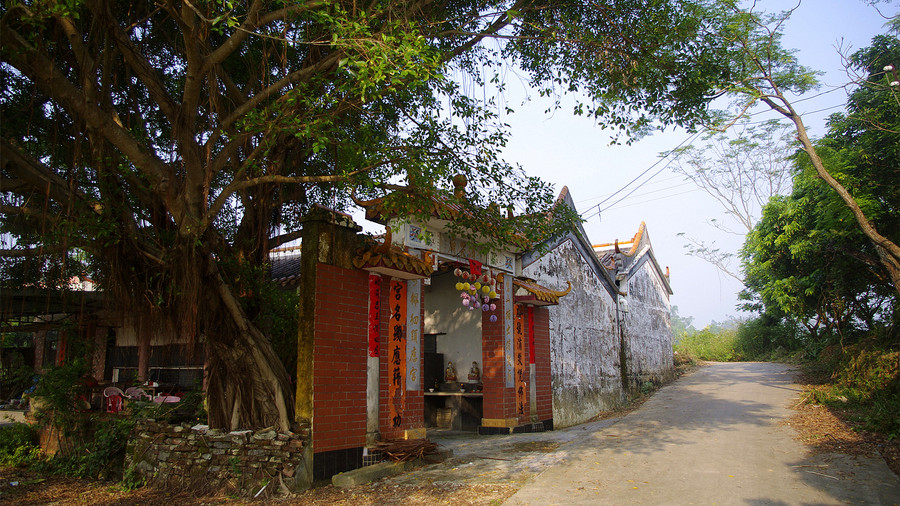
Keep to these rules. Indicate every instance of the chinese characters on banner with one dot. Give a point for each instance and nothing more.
(508, 358)
(530, 334)
(520, 359)
(397, 352)
(413, 333)
(374, 315)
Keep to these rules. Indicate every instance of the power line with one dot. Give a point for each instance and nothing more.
(658, 190)
(692, 137)
(608, 194)
(648, 169)
(657, 198)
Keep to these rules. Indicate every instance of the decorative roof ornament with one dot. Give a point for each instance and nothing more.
(530, 293)
(390, 260)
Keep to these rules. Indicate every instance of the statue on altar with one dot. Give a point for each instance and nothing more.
(450, 373)
(474, 373)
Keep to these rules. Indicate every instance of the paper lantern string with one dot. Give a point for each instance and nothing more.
(477, 289)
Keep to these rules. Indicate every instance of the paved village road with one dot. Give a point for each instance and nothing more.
(716, 436)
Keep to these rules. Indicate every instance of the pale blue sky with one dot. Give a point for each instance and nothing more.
(570, 151)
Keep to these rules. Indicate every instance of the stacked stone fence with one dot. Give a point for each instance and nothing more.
(181, 457)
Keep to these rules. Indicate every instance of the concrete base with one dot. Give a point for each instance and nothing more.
(381, 470)
(12, 416)
(485, 430)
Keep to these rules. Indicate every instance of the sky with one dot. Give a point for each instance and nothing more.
(566, 150)
(571, 151)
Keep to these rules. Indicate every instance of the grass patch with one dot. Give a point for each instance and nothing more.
(864, 382)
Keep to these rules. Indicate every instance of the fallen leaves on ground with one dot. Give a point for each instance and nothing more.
(829, 430)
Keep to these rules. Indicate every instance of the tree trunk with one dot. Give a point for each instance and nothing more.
(247, 385)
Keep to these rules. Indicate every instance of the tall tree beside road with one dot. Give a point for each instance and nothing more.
(172, 144)
(772, 75)
(808, 259)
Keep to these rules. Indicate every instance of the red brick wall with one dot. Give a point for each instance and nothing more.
(339, 361)
(414, 409)
(499, 401)
(543, 387)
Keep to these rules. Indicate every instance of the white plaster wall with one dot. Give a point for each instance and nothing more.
(584, 348)
(445, 313)
(648, 328)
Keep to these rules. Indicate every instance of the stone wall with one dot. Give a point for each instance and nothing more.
(179, 457)
(648, 329)
(583, 340)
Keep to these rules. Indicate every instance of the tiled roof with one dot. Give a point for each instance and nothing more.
(385, 258)
(285, 265)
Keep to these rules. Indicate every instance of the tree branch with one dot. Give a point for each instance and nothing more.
(136, 61)
(41, 69)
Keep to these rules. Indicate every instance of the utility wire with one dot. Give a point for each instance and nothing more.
(620, 190)
(656, 199)
(664, 167)
(660, 181)
(691, 138)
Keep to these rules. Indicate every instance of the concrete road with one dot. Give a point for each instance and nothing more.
(713, 437)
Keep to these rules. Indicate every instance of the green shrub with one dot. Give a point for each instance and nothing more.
(866, 381)
(709, 344)
(767, 338)
(101, 454)
(19, 445)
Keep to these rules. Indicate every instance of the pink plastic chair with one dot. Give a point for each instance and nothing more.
(159, 399)
(114, 398)
(136, 394)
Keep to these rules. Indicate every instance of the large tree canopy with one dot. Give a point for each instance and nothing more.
(807, 259)
(172, 144)
(771, 75)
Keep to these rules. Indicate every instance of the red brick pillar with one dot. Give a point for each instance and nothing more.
(40, 346)
(340, 357)
(332, 345)
(499, 402)
(543, 388)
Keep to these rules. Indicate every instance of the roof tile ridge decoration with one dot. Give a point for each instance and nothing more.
(636, 240)
(389, 259)
(437, 205)
(542, 293)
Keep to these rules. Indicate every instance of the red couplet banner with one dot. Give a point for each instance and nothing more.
(397, 352)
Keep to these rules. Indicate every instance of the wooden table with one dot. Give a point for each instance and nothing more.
(466, 409)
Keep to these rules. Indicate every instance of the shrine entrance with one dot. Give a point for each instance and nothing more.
(452, 362)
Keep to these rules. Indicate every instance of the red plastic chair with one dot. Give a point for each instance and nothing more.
(114, 398)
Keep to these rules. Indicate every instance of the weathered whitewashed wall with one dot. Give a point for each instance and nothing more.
(584, 347)
(648, 330)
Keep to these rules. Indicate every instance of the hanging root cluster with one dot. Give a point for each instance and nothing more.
(404, 450)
